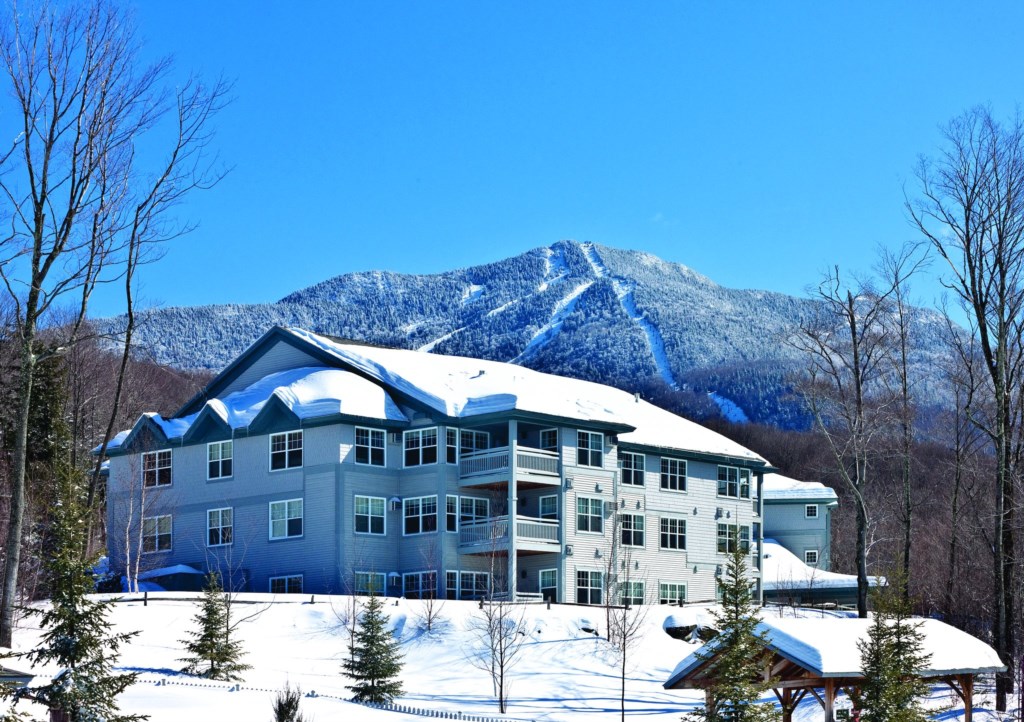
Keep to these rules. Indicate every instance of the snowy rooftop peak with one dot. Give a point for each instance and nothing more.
(779, 487)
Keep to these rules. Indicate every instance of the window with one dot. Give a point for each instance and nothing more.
(549, 585)
(451, 513)
(811, 511)
(218, 456)
(451, 585)
(588, 587)
(632, 468)
(419, 585)
(470, 441)
(811, 557)
(549, 439)
(369, 515)
(671, 593)
(286, 585)
(421, 447)
(734, 482)
(285, 519)
(370, 448)
(632, 593)
(673, 533)
(219, 527)
(673, 474)
(156, 468)
(472, 510)
(727, 538)
(589, 448)
(286, 450)
(549, 507)
(420, 515)
(632, 530)
(369, 582)
(156, 533)
(451, 446)
(589, 515)
(473, 585)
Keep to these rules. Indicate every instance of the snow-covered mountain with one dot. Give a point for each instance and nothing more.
(625, 318)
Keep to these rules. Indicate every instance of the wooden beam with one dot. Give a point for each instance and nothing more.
(830, 700)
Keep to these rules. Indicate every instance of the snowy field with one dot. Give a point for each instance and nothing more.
(563, 673)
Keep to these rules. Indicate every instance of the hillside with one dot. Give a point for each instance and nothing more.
(624, 318)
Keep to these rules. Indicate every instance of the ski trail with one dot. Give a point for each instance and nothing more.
(549, 330)
(428, 347)
(555, 268)
(624, 290)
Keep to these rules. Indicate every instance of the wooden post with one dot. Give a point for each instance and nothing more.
(967, 685)
(830, 700)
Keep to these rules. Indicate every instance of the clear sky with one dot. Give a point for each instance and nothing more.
(757, 143)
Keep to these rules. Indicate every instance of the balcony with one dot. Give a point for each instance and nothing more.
(533, 466)
(491, 535)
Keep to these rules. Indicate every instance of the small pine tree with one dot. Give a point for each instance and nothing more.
(376, 661)
(287, 703)
(77, 635)
(891, 659)
(214, 650)
(739, 654)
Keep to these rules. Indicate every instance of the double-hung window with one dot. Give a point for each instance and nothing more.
(727, 537)
(156, 533)
(219, 457)
(589, 587)
(156, 468)
(549, 507)
(419, 585)
(589, 448)
(673, 533)
(671, 593)
(420, 515)
(673, 474)
(473, 510)
(549, 439)
(549, 585)
(219, 527)
(632, 593)
(631, 468)
(421, 447)
(291, 584)
(474, 585)
(369, 515)
(632, 530)
(370, 446)
(589, 514)
(470, 441)
(734, 482)
(451, 513)
(286, 519)
(451, 445)
(286, 450)
(369, 583)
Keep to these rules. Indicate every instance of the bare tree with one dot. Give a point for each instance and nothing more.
(628, 620)
(500, 631)
(971, 210)
(79, 206)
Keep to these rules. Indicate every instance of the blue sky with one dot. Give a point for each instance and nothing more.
(757, 143)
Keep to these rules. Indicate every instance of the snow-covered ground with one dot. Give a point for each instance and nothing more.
(564, 673)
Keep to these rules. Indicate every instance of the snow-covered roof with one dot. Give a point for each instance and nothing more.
(167, 571)
(777, 487)
(827, 646)
(463, 387)
(783, 570)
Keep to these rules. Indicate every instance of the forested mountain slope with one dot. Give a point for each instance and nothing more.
(625, 318)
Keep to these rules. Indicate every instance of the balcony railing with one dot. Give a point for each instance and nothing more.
(492, 461)
(494, 531)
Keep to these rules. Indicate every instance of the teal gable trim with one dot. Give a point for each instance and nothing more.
(207, 427)
(146, 435)
(275, 416)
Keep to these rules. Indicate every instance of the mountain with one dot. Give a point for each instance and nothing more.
(625, 318)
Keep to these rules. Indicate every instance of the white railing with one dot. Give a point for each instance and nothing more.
(537, 461)
(494, 531)
(484, 462)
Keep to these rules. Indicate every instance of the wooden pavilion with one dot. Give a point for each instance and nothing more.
(820, 657)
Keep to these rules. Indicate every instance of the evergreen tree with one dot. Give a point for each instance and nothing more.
(287, 705)
(376, 661)
(214, 650)
(739, 654)
(891, 659)
(77, 636)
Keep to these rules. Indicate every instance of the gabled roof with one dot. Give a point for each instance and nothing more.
(783, 570)
(828, 648)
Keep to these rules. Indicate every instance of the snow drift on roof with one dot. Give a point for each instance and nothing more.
(463, 387)
(782, 570)
(778, 487)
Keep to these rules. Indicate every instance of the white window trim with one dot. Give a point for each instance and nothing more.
(156, 469)
(458, 514)
(270, 519)
(475, 499)
(406, 575)
(807, 511)
(540, 505)
(437, 446)
(684, 585)
(221, 460)
(472, 433)
(379, 592)
(462, 573)
(286, 577)
(601, 515)
(270, 450)
(447, 445)
(437, 514)
(642, 471)
(540, 437)
(603, 454)
(366, 533)
(674, 517)
(634, 531)
(817, 557)
(156, 520)
(355, 447)
(739, 483)
(221, 509)
(685, 476)
(600, 587)
(643, 591)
